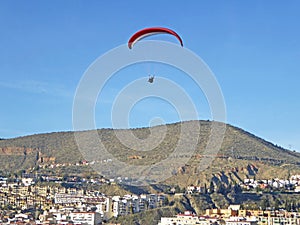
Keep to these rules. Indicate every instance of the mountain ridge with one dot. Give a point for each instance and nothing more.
(237, 144)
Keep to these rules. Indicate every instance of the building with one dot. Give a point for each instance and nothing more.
(186, 218)
(88, 218)
(28, 181)
(241, 221)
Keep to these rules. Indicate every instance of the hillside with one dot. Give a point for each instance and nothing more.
(242, 154)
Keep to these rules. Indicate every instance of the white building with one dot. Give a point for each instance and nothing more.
(28, 181)
(89, 218)
(67, 199)
(184, 219)
(241, 221)
(297, 189)
(283, 220)
(3, 181)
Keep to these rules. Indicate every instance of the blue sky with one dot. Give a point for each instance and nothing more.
(252, 48)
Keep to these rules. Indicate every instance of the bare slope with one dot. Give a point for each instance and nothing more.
(60, 147)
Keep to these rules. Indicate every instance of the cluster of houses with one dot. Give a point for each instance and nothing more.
(61, 205)
(111, 206)
(234, 216)
(133, 204)
(88, 209)
(292, 184)
(54, 217)
(51, 163)
(28, 179)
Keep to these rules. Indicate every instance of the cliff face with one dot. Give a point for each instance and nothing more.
(25, 152)
(12, 150)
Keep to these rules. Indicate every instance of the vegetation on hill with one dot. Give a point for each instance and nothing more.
(240, 152)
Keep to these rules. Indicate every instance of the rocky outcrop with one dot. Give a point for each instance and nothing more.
(16, 150)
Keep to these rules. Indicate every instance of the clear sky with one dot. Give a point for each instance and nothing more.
(252, 47)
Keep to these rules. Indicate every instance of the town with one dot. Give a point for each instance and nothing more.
(234, 215)
(50, 199)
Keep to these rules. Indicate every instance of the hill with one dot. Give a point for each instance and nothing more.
(241, 155)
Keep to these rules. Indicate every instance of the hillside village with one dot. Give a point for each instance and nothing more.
(234, 215)
(46, 199)
(266, 185)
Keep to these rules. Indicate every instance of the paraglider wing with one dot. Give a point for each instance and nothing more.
(151, 31)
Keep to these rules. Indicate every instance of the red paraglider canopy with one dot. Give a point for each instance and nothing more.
(151, 31)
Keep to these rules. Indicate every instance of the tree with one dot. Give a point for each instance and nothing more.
(166, 201)
(211, 187)
(131, 209)
(147, 205)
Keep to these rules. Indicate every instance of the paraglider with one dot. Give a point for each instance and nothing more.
(151, 79)
(148, 32)
(151, 31)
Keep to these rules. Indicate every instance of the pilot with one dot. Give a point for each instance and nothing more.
(151, 79)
